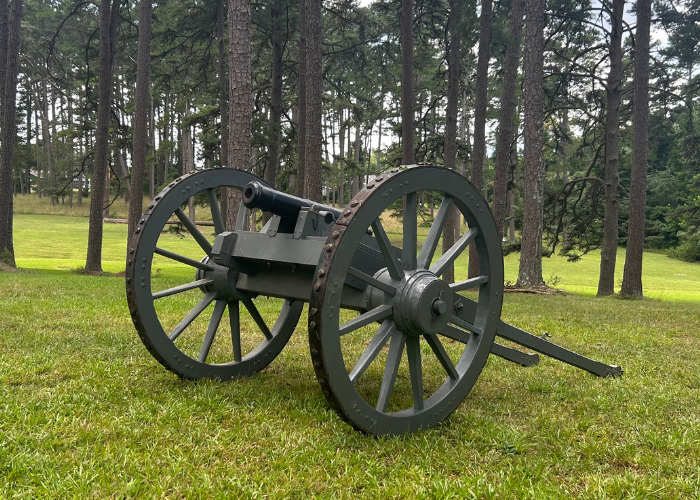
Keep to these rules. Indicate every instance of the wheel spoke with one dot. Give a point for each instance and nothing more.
(242, 216)
(470, 283)
(465, 324)
(376, 314)
(415, 369)
(235, 322)
(387, 250)
(196, 234)
(215, 212)
(431, 241)
(454, 252)
(442, 356)
(374, 347)
(456, 334)
(216, 316)
(192, 315)
(393, 360)
(410, 232)
(183, 259)
(182, 288)
(372, 281)
(257, 318)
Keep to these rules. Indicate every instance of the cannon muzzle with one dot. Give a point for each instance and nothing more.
(286, 206)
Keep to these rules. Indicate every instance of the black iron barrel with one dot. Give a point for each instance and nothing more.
(256, 195)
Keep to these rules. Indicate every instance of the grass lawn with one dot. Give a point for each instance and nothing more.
(86, 412)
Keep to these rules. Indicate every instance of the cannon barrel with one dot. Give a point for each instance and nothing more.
(286, 206)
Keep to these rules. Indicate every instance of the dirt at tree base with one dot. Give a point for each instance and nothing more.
(101, 273)
(6, 268)
(537, 290)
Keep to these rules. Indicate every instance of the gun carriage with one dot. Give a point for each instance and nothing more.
(370, 300)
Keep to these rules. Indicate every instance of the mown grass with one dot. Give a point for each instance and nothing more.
(85, 412)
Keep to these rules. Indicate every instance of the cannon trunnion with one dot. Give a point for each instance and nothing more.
(202, 302)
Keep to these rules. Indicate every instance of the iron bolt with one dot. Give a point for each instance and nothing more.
(439, 307)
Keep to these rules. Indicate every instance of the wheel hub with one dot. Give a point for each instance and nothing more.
(224, 281)
(422, 304)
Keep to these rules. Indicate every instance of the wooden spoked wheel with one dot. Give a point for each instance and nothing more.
(359, 360)
(178, 295)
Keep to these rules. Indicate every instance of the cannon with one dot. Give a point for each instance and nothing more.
(372, 295)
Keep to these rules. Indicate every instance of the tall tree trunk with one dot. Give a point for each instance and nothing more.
(301, 167)
(356, 159)
(28, 165)
(141, 111)
(80, 175)
(4, 42)
(530, 270)
(608, 251)
(379, 147)
(223, 99)
(71, 156)
(505, 129)
(407, 104)
(448, 235)
(153, 164)
(108, 34)
(479, 148)
(341, 159)
(8, 90)
(223, 85)
(464, 138)
(240, 100)
(273, 152)
(187, 152)
(566, 146)
(632, 278)
(37, 155)
(314, 93)
(513, 172)
(48, 144)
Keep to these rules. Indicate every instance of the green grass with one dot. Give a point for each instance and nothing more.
(86, 412)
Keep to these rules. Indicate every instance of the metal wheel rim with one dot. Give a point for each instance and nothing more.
(141, 302)
(324, 338)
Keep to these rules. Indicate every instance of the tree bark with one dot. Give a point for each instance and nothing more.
(341, 159)
(505, 128)
(8, 89)
(4, 42)
(313, 169)
(141, 112)
(530, 270)
(301, 172)
(108, 31)
(632, 277)
(479, 148)
(356, 160)
(608, 252)
(448, 235)
(187, 152)
(273, 152)
(223, 86)
(240, 100)
(407, 104)
(28, 165)
(48, 144)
